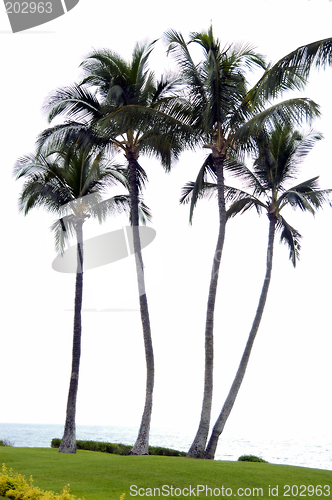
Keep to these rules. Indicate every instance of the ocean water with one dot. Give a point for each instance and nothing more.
(314, 452)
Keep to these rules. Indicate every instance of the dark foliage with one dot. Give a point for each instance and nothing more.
(118, 448)
(250, 458)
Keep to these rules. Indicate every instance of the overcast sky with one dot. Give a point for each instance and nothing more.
(287, 387)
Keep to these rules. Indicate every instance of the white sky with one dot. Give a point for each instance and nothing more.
(287, 387)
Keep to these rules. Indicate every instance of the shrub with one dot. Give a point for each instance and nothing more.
(250, 458)
(55, 443)
(118, 448)
(166, 452)
(16, 487)
(115, 448)
(5, 442)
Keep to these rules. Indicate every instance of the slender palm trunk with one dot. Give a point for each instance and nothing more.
(230, 400)
(198, 446)
(141, 446)
(68, 443)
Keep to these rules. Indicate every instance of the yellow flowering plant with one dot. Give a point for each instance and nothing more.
(16, 487)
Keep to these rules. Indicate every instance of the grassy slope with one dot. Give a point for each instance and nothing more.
(101, 476)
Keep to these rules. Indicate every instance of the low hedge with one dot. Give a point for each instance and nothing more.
(250, 458)
(119, 448)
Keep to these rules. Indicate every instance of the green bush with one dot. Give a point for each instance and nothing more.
(166, 452)
(5, 442)
(55, 443)
(250, 458)
(118, 448)
(115, 448)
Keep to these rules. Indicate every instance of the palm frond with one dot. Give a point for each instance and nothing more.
(144, 212)
(303, 145)
(316, 54)
(272, 85)
(291, 238)
(141, 176)
(238, 169)
(191, 74)
(104, 69)
(193, 191)
(75, 134)
(139, 65)
(178, 47)
(306, 196)
(290, 113)
(75, 102)
(102, 173)
(43, 192)
(30, 165)
(291, 71)
(243, 202)
(168, 87)
(111, 206)
(63, 230)
(207, 190)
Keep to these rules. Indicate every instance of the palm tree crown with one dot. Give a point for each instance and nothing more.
(70, 183)
(128, 108)
(224, 108)
(279, 154)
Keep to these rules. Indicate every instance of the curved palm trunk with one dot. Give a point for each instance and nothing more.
(198, 446)
(141, 446)
(68, 443)
(230, 400)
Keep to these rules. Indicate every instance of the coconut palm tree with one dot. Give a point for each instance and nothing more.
(69, 182)
(132, 113)
(227, 115)
(280, 153)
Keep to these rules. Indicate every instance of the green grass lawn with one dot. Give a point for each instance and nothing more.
(102, 476)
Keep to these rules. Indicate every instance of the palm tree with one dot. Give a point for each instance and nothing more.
(70, 182)
(227, 115)
(279, 154)
(133, 114)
